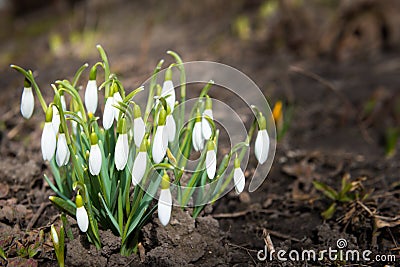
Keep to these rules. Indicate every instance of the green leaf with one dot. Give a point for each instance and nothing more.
(110, 215)
(2, 253)
(326, 189)
(328, 214)
(66, 206)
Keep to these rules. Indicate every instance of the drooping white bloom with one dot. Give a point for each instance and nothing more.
(164, 206)
(56, 119)
(139, 129)
(91, 97)
(81, 215)
(168, 90)
(261, 146)
(171, 127)
(121, 151)
(27, 102)
(117, 99)
(108, 116)
(139, 167)
(238, 177)
(160, 144)
(95, 159)
(205, 124)
(63, 103)
(211, 160)
(62, 152)
(197, 137)
(48, 141)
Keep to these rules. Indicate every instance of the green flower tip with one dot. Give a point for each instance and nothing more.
(162, 117)
(114, 88)
(49, 113)
(93, 138)
(208, 103)
(210, 145)
(27, 83)
(168, 73)
(122, 126)
(79, 201)
(262, 123)
(136, 111)
(237, 163)
(93, 73)
(165, 181)
(198, 116)
(143, 145)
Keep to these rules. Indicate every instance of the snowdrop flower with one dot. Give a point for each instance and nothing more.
(48, 141)
(122, 146)
(81, 214)
(117, 98)
(238, 177)
(211, 160)
(63, 103)
(27, 100)
(165, 201)
(140, 164)
(171, 126)
(95, 158)
(160, 142)
(62, 152)
(262, 142)
(205, 124)
(168, 89)
(54, 235)
(91, 97)
(56, 119)
(197, 135)
(139, 127)
(108, 115)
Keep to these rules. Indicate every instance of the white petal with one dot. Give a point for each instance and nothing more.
(168, 89)
(171, 127)
(117, 99)
(164, 206)
(56, 120)
(27, 103)
(238, 178)
(48, 142)
(138, 131)
(82, 219)
(63, 103)
(160, 144)
(211, 163)
(108, 116)
(121, 151)
(95, 159)
(62, 152)
(91, 97)
(139, 167)
(54, 234)
(205, 125)
(197, 137)
(261, 146)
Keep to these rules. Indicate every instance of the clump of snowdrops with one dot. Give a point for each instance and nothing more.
(107, 170)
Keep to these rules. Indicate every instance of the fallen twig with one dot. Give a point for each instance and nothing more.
(37, 215)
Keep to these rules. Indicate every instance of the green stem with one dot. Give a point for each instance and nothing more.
(150, 98)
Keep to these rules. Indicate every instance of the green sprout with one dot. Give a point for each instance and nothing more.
(108, 171)
(58, 243)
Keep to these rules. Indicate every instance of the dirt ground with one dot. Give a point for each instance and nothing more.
(340, 79)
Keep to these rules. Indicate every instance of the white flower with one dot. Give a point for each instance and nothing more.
(63, 103)
(164, 206)
(91, 97)
(139, 129)
(197, 137)
(171, 127)
(27, 102)
(54, 234)
(160, 144)
(48, 141)
(62, 152)
(95, 159)
(121, 151)
(117, 99)
(108, 116)
(211, 163)
(261, 146)
(168, 89)
(205, 124)
(81, 214)
(139, 167)
(238, 177)
(56, 119)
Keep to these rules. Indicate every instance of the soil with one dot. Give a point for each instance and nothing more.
(331, 135)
